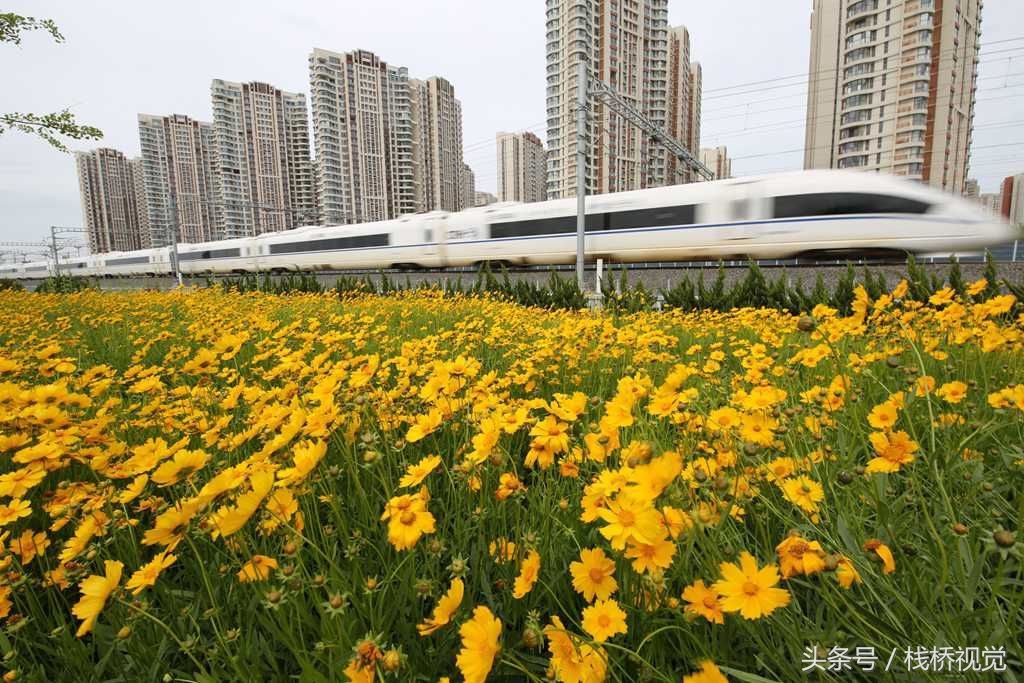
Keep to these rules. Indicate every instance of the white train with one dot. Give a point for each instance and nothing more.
(804, 214)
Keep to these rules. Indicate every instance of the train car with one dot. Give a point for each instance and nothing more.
(805, 214)
(813, 214)
(219, 257)
(142, 262)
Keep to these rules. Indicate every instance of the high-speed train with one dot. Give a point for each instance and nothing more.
(805, 214)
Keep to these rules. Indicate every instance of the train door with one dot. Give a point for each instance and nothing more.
(435, 236)
(737, 213)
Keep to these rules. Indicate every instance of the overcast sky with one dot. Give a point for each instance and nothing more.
(122, 58)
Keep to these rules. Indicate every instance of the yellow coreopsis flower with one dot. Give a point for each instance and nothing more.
(408, 519)
(952, 392)
(29, 545)
(709, 673)
(416, 473)
(445, 609)
(604, 619)
(528, 573)
(799, 556)
(894, 450)
(257, 569)
(629, 520)
(703, 601)
(803, 492)
(95, 591)
(750, 590)
(593, 576)
(883, 552)
(571, 660)
(479, 645)
(147, 575)
(13, 511)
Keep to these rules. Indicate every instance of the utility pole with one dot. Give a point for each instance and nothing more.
(53, 247)
(599, 90)
(175, 266)
(581, 166)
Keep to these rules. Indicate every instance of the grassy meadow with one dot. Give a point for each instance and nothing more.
(210, 486)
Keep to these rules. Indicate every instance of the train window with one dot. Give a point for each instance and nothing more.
(428, 235)
(839, 203)
(332, 244)
(210, 253)
(617, 220)
(35, 268)
(131, 260)
(651, 218)
(539, 226)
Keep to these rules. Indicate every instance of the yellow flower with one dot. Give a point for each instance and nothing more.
(703, 601)
(894, 450)
(502, 550)
(952, 392)
(408, 519)
(133, 490)
(230, 518)
(651, 557)
(709, 673)
(528, 574)
(257, 569)
(941, 297)
(750, 590)
(424, 425)
(977, 287)
(183, 465)
(29, 545)
(883, 416)
(799, 556)
(883, 552)
(306, 456)
(846, 573)
(803, 492)
(572, 661)
(445, 609)
(509, 485)
(358, 673)
(593, 576)
(479, 645)
(147, 575)
(95, 591)
(415, 474)
(13, 511)
(17, 483)
(171, 525)
(604, 619)
(630, 520)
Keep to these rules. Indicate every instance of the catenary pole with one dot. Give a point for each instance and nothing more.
(581, 163)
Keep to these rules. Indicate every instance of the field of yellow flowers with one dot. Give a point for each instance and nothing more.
(207, 486)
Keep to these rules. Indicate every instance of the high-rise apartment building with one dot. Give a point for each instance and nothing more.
(264, 176)
(696, 92)
(971, 188)
(484, 199)
(468, 198)
(625, 43)
(891, 87)
(716, 159)
(522, 168)
(992, 202)
(106, 182)
(437, 161)
(141, 207)
(386, 144)
(178, 176)
(1012, 199)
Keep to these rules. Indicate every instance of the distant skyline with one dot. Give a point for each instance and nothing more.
(123, 59)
